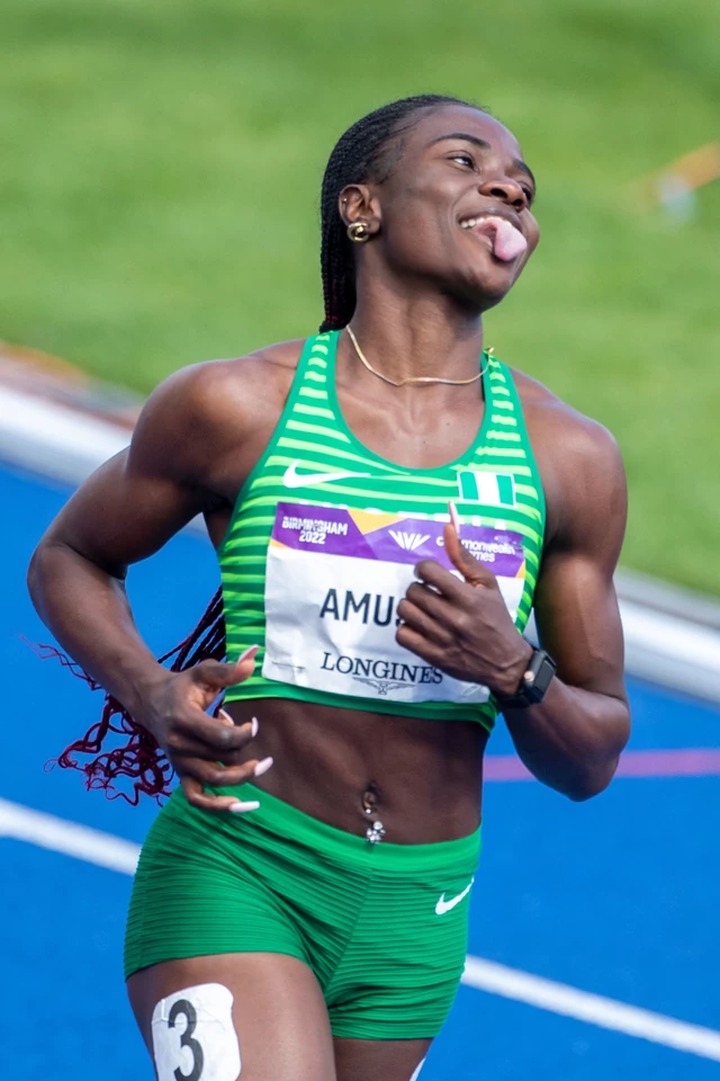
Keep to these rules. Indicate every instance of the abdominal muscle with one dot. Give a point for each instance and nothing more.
(421, 778)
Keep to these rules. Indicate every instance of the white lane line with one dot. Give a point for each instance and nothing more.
(593, 1009)
(106, 850)
(47, 831)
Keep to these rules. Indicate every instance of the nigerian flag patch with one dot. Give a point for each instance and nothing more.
(479, 486)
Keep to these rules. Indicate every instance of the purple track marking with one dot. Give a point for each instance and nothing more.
(687, 762)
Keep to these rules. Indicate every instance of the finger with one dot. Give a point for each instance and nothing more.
(427, 599)
(215, 676)
(433, 625)
(245, 663)
(421, 646)
(193, 729)
(216, 775)
(454, 517)
(222, 715)
(473, 571)
(442, 581)
(199, 752)
(210, 737)
(195, 795)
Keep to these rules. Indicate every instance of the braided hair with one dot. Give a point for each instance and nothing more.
(116, 746)
(368, 150)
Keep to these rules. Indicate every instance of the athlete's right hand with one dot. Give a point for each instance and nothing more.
(204, 750)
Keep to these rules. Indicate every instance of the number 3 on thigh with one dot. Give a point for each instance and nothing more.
(192, 1031)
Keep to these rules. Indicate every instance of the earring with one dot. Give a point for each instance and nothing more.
(358, 232)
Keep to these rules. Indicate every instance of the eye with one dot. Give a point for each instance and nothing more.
(463, 158)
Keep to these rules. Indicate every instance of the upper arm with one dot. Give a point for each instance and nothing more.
(137, 500)
(576, 607)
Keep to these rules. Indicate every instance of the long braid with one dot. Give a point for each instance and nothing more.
(363, 153)
(139, 758)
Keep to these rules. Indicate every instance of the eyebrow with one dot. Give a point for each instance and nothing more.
(484, 145)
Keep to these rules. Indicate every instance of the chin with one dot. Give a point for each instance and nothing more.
(491, 300)
(481, 295)
(493, 285)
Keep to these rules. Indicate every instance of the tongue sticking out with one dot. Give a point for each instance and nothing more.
(508, 241)
(503, 239)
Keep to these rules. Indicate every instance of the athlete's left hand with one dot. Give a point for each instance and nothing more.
(462, 627)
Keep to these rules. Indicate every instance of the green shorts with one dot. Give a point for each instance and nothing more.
(383, 926)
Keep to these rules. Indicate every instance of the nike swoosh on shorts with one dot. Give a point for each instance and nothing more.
(444, 906)
(293, 479)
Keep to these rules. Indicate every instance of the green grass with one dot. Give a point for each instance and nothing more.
(159, 191)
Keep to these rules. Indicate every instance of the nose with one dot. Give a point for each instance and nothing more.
(507, 190)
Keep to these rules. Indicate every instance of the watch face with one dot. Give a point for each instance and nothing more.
(540, 672)
(544, 673)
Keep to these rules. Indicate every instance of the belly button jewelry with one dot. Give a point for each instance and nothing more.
(375, 832)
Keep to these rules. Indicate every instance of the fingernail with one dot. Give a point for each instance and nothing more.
(225, 716)
(454, 517)
(254, 727)
(263, 766)
(249, 652)
(240, 807)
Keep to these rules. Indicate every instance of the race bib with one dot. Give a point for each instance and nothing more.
(334, 579)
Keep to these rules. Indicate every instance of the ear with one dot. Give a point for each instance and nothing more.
(356, 202)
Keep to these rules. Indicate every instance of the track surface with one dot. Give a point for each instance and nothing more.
(618, 896)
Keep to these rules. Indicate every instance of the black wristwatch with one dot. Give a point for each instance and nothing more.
(535, 681)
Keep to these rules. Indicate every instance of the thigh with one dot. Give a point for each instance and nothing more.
(386, 1060)
(259, 1013)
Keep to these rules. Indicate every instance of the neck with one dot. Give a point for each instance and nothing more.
(415, 339)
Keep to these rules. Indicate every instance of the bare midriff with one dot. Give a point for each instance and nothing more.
(421, 779)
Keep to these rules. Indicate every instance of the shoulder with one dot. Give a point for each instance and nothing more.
(203, 393)
(580, 465)
(551, 421)
(202, 408)
(203, 387)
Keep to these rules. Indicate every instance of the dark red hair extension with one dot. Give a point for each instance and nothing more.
(139, 757)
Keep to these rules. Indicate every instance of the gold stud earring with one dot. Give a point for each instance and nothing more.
(358, 232)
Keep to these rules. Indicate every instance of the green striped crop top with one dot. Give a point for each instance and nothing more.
(325, 535)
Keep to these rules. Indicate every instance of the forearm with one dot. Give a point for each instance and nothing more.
(571, 740)
(87, 610)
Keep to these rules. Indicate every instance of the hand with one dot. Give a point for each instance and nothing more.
(462, 628)
(204, 750)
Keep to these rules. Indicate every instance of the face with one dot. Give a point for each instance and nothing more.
(456, 207)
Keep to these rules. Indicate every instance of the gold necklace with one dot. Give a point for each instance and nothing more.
(414, 378)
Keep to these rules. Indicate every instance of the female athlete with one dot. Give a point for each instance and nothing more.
(388, 502)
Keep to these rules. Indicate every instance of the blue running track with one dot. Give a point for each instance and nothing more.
(618, 897)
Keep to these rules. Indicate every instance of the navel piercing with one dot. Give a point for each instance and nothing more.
(375, 832)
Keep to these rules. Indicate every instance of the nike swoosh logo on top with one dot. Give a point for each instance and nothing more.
(293, 479)
(444, 906)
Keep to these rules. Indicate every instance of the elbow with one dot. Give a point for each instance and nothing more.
(42, 572)
(590, 782)
(34, 575)
(582, 793)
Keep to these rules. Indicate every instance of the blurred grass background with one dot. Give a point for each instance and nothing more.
(159, 199)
